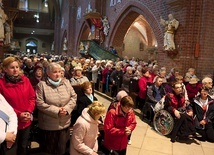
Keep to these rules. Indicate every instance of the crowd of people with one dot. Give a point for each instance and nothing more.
(59, 95)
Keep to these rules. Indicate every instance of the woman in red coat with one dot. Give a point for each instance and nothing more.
(143, 82)
(19, 93)
(118, 125)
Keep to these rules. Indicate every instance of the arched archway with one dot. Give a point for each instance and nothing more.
(83, 35)
(31, 46)
(138, 25)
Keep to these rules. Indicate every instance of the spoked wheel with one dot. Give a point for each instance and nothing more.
(163, 122)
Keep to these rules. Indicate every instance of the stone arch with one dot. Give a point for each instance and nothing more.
(125, 19)
(83, 34)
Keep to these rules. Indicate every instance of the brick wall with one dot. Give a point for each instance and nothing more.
(195, 18)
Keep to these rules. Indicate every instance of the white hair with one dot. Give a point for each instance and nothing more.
(206, 80)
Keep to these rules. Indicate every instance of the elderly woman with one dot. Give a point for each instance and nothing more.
(208, 83)
(78, 78)
(85, 98)
(56, 99)
(85, 130)
(142, 84)
(19, 93)
(116, 78)
(203, 107)
(38, 75)
(175, 104)
(126, 78)
(119, 123)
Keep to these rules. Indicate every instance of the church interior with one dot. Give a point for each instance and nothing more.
(135, 28)
(151, 39)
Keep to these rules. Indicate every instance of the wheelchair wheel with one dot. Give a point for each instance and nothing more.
(163, 122)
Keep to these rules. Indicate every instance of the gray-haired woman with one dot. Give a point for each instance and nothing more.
(56, 100)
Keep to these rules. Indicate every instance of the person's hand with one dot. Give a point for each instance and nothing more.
(203, 122)
(10, 137)
(94, 153)
(190, 113)
(128, 131)
(62, 111)
(177, 114)
(25, 117)
(186, 103)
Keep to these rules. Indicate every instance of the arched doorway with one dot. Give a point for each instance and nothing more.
(139, 40)
(136, 33)
(31, 46)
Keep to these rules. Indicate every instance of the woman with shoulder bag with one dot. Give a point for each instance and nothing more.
(203, 107)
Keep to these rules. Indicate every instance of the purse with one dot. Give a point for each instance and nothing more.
(197, 124)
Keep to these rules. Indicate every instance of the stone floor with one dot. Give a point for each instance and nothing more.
(146, 141)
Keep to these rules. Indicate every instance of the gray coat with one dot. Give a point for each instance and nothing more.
(50, 99)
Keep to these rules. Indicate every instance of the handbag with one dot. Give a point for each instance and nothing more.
(159, 105)
(197, 124)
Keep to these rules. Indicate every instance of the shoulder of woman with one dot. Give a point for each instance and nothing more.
(65, 80)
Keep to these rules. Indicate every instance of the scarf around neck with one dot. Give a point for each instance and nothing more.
(12, 79)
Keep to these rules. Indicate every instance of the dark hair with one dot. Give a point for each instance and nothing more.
(144, 70)
(203, 88)
(157, 78)
(127, 101)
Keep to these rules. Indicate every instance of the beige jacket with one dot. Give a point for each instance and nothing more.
(49, 99)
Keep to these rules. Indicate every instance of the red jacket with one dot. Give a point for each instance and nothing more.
(142, 83)
(174, 102)
(192, 91)
(21, 96)
(114, 128)
(105, 73)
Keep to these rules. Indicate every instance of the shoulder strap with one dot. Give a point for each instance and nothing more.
(112, 105)
(4, 116)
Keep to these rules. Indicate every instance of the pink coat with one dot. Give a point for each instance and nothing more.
(84, 137)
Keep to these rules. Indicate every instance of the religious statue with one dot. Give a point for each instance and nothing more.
(3, 18)
(7, 34)
(81, 46)
(79, 12)
(89, 7)
(65, 44)
(171, 26)
(106, 26)
(52, 46)
(114, 2)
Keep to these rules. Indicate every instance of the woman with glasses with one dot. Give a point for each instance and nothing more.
(203, 107)
(182, 113)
